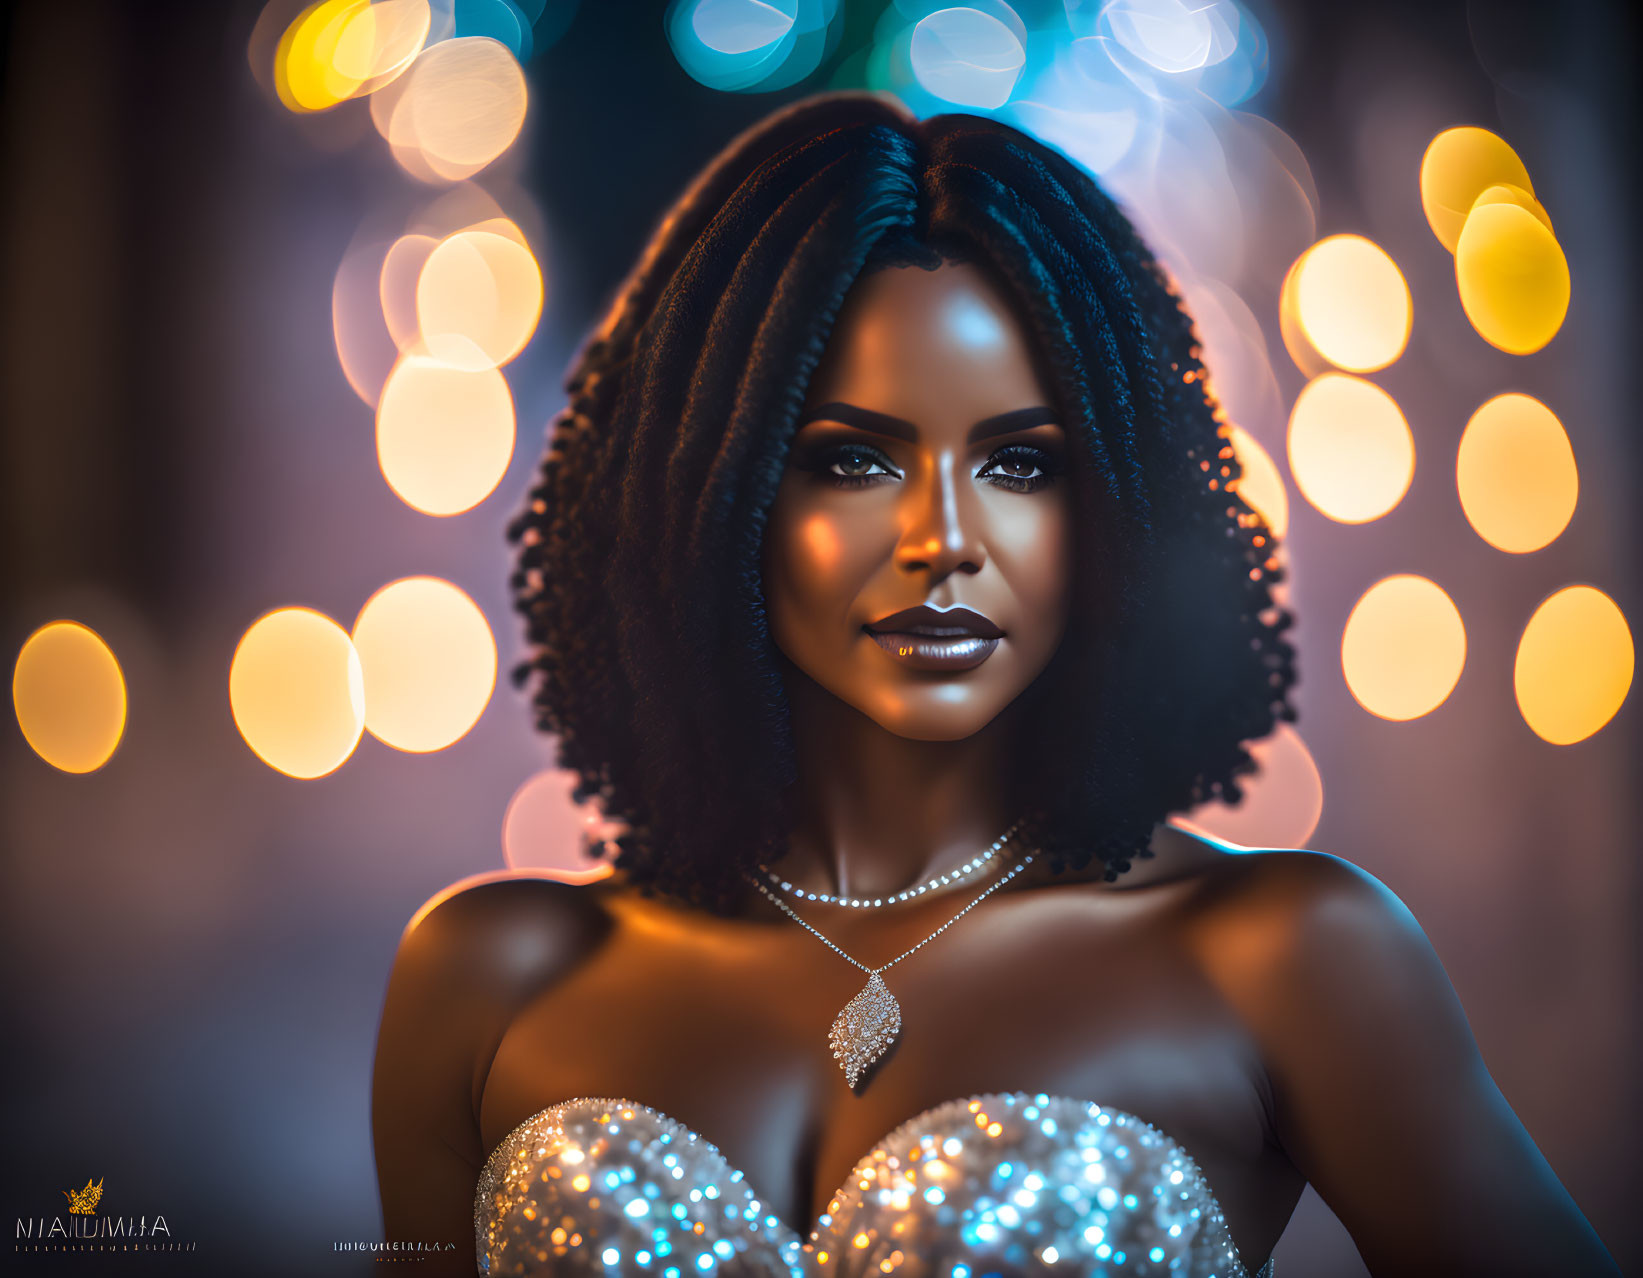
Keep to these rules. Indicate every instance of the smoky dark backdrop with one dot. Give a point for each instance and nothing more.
(196, 946)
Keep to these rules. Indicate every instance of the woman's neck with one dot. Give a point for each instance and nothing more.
(875, 812)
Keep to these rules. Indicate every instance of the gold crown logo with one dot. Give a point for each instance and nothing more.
(83, 1202)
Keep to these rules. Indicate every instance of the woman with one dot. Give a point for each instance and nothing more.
(885, 553)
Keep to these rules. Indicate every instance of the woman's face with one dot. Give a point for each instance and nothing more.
(928, 472)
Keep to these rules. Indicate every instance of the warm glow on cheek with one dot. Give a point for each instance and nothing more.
(819, 546)
(810, 564)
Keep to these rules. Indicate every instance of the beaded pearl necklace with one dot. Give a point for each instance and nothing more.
(965, 871)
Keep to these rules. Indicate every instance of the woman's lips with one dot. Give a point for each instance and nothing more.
(919, 651)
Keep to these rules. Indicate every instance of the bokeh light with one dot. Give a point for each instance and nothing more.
(380, 41)
(1504, 193)
(501, 20)
(1574, 665)
(1459, 165)
(297, 692)
(1172, 36)
(1260, 485)
(1213, 49)
(306, 76)
(1350, 450)
(1512, 276)
(544, 830)
(429, 663)
(744, 46)
(1344, 302)
(339, 49)
(965, 56)
(1282, 803)
(365, 348)
(69, 696)
(1516, 474)
(1403, 648)
(444, 435)
(397, 286)
(478, 298)
(742, 26)
(457, 108)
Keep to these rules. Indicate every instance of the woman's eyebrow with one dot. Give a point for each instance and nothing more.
(883, 424)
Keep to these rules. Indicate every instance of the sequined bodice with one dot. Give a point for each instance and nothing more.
(1010, 1183)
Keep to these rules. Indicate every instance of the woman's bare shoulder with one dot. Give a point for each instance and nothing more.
(505, 928)
(1276, 913)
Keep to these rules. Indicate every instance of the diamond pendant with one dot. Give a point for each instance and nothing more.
(865, 1029)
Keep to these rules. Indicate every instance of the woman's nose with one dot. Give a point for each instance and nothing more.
(941, 532)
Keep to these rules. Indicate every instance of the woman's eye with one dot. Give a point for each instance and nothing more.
(1020, 468)
(1020, 464)
(852, 467)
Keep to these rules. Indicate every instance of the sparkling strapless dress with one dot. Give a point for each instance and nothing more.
(1002, 1184)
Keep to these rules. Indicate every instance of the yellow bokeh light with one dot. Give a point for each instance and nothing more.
(1260, 485)
(478, 299)
(70, 696)
(457, 108)
(297, 692)
(1512, 276)
(339, 49)
(1574, 665)
(305, 72)
(1345, 303)
(1403, 648)
(1459, 165)
(1350, 450)
(378, 43)
(1516, 475)
(444, 435)
(429, 660)
(1505, 193)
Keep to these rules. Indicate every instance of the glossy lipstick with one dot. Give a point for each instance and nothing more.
(939, 639)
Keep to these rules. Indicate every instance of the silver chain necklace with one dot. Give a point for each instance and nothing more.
(867, 1027)
(935, 883)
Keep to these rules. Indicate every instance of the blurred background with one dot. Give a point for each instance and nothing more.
(288, 294)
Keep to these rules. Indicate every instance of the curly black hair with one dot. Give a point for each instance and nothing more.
(639, 548)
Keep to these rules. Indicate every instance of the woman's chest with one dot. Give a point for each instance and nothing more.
(732, 1042)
